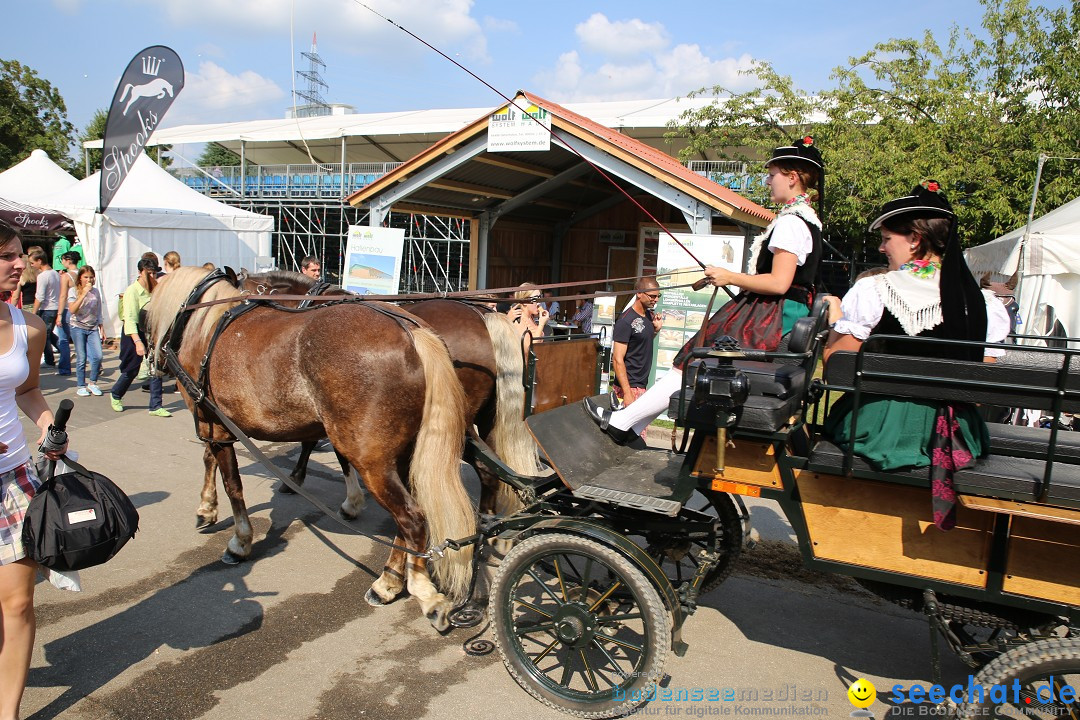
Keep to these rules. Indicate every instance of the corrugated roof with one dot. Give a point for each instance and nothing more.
(658, 159)
(670, 169)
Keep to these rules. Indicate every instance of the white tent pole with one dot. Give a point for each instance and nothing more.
(1027, 230)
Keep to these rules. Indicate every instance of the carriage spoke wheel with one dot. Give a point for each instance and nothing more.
(677, 553)
(578, 625)
(1032, 679)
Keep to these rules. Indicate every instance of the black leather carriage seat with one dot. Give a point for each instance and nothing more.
(1021, 379)
(776, 393)
(1031, 441)
(777, 389)
(999, 476)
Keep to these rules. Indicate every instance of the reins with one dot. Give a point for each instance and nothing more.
(464, 296)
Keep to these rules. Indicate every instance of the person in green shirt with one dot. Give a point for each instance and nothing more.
(133, 342)
(63, 245)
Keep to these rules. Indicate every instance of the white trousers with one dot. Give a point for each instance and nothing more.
(645, 409)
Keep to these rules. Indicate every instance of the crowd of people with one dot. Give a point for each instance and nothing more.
(62, 290)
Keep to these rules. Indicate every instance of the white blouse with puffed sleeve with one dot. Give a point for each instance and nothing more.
(864, 304)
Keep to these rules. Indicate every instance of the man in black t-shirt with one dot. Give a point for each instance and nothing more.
(632, 346)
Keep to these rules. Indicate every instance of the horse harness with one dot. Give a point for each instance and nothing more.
(199, 392)
(317, 289)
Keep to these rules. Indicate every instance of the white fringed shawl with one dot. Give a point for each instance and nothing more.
(914, 301)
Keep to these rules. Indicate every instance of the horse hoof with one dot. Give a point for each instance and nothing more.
(285, 489)
(439, 621)
(204, 523)
(372, 598)
(347, 517)
(230, 559)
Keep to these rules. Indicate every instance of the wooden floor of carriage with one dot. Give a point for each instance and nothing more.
(165, 631)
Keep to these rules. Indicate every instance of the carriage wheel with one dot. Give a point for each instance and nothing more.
(1043, 668)
(578, 625)
(677, 553)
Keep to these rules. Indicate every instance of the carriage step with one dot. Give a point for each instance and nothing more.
(631, 500)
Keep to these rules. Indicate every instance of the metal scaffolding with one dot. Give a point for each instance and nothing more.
(435, 255)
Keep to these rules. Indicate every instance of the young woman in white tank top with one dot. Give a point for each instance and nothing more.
(22, 340)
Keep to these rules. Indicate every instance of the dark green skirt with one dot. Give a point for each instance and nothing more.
(791, 312)
(894, 434)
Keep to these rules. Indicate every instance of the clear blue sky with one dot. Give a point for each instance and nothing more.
(237, 53)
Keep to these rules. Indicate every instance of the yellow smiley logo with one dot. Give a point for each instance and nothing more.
(862, 693)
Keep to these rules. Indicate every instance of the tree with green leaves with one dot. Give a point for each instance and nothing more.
(216, 155)
(34, 117)
(95, 130)
(973, 112)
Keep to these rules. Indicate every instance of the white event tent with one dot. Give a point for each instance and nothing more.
(34, 177)
(1049, 280)
(153, 211)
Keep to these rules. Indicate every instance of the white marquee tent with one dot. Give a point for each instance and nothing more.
(1049, 281)
(153, 211)
(34, 177)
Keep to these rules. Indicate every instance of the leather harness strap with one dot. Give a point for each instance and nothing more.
(317, 289)
(199, 392)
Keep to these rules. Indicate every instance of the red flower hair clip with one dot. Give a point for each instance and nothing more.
(932, 186)
(807, 141)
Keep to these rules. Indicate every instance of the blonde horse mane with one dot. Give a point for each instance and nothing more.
(171, 292)
(511, 440)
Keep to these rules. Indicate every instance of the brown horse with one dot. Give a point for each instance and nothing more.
(486, 352)
(382, 389)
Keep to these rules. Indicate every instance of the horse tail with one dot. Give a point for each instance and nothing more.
(127, 89)
(511, 440)
(435, 472)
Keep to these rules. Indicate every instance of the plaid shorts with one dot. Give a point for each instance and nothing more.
(17, 488)
(635, 393)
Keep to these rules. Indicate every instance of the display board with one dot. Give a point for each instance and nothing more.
(681, 308)
(373, 260)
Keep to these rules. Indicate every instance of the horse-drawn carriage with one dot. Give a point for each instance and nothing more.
(611, 546)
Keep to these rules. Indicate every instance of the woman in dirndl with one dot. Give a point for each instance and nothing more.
(777, 291)
(928, 292)
(22, 341)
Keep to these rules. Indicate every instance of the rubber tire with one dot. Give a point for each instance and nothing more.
(657, 622)
(954, 609)
(1037, 659)
(730, 541)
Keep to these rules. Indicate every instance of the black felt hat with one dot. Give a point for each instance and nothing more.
(924, 201)
(963, 308)
(802, 149)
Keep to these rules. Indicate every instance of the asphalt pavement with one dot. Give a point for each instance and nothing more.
(167, 631)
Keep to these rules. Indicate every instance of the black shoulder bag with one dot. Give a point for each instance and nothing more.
(77, 519)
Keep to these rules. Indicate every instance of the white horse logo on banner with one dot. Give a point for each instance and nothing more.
(158, 87)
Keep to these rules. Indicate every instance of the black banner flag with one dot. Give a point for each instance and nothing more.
(147, 89)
